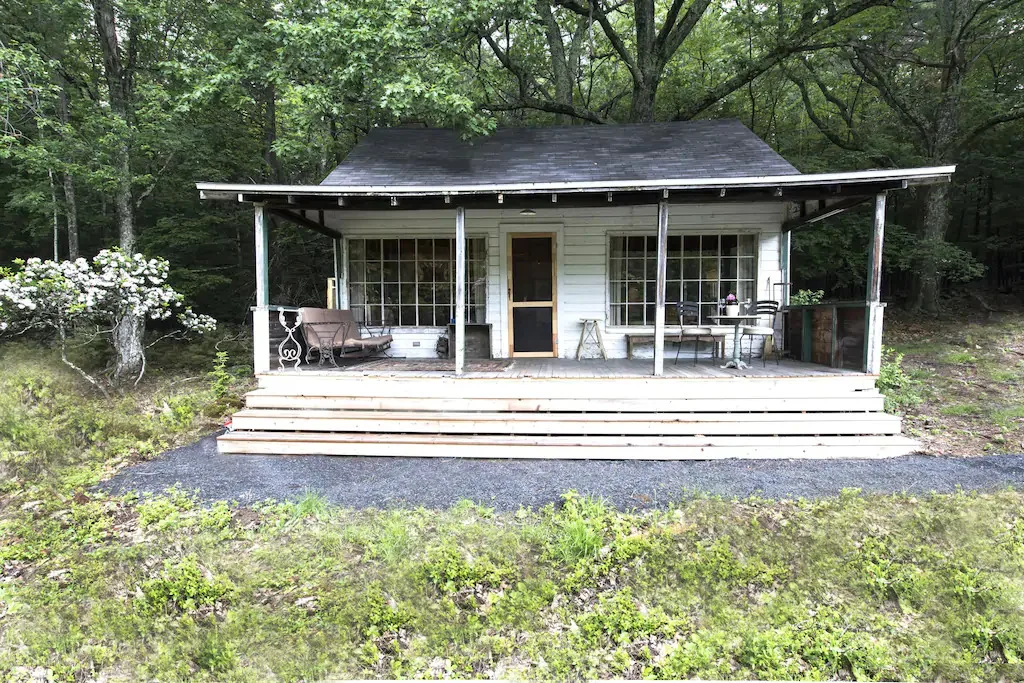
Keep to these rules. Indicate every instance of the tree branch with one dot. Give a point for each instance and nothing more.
(1012, 115)
(821, 125)
(594, 10)
(671, 37)
(790, 46)
(547, 106)
(878, 81)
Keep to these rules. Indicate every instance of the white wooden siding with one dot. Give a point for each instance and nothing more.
(582, 254)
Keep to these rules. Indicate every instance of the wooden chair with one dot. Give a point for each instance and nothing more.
(762, 308)
(689, 330)
(328, 330)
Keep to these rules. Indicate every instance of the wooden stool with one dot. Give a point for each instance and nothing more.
(591, 332)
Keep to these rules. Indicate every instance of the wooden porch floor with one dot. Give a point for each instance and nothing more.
(566, 368)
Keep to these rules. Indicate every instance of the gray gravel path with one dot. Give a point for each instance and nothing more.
(362, 482)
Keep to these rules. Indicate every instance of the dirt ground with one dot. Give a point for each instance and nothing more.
(967, 371)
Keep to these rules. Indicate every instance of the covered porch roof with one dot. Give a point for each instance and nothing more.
(790, 187)
(409, 168)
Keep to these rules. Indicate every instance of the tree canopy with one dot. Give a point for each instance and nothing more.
(111, 109)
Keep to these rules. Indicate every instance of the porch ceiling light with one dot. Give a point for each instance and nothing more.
(527, 212)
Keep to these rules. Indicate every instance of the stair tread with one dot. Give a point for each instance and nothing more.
(443, 415)
(752, 441)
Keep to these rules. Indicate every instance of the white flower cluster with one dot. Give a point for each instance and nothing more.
(112, 286)
(197, 322)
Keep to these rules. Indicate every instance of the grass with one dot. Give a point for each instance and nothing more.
(876, 588)
(962, 380)
(163, 587)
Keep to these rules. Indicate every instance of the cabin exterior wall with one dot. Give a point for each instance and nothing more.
(582, 242)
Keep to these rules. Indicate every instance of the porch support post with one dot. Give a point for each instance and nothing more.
(659, 311)
(261, 313)
(460, 289)
(784, 256)
(340, 262)
(874, 308)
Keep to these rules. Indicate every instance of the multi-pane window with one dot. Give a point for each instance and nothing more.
(410, 282)
(703, 269)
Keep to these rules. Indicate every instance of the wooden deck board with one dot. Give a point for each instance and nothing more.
(567, 368)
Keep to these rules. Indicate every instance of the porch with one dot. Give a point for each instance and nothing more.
(565, 368)
(561, 408)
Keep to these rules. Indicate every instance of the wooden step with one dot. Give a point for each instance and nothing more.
(754, 424)
(569, 447)
(854, 402)
(304, 384)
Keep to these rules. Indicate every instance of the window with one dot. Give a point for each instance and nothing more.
(700, 268)
(410, 282)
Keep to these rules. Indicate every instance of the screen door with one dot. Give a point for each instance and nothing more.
(531, 294)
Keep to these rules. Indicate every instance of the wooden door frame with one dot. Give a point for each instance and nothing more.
(510, 305)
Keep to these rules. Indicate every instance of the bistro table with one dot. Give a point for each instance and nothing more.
(736, 321)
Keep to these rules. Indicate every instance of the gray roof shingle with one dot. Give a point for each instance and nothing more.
(643, 151)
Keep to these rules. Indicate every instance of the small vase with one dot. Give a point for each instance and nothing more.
(732, 310)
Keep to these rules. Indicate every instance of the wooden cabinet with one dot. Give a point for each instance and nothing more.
(478, 340)
(832, 334)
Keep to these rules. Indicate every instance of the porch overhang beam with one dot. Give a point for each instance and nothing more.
(912, 176)
(806, 221)
(579, 200)
(301, 220)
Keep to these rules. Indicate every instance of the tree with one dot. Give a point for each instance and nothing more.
(948, 73)
(69, 296)
(645, 41)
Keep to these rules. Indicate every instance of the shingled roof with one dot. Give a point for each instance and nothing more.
(643, 151)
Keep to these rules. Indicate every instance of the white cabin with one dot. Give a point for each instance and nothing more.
(526, 292)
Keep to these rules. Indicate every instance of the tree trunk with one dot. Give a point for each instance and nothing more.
(641, 109)
(936, 222)
(270, 132)
(559, 66)
(56, 222)
(67, 180)
(648, 70)
(129, 355)
(71, 211)
(952, 14)
(128, 331)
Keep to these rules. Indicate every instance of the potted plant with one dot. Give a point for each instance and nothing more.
(732, 306)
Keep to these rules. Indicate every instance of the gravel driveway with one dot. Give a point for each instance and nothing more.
(384, 482)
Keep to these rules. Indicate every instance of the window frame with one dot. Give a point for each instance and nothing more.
(361, 309)
(681, 234)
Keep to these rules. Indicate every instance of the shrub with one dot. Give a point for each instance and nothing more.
(382, 615)
(186, 586)
(807, 297)
(451, 570)
(895, 384)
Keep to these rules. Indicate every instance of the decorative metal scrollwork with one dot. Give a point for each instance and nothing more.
(289, 350)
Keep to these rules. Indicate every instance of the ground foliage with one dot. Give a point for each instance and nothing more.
(164, 587)
(961, 388)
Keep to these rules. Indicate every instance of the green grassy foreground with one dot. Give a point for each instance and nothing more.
(859, 587)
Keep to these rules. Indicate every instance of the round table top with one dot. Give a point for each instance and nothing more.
(737, 318)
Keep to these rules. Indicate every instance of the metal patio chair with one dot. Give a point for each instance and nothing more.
(771, 310)
(690, 330)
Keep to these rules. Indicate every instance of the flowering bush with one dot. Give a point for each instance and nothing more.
(66, 295)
